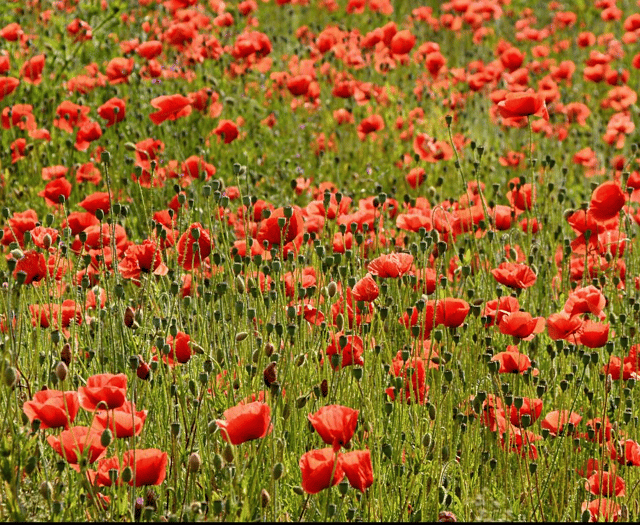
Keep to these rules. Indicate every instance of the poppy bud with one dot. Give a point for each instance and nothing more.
(61, 371)
(332, 289)
(217, 461)
(106, 438)
(10, 376)
(265, 498)
(46, 489)
(194, 462)
(227, 454)
(278, 470)
(127, 474)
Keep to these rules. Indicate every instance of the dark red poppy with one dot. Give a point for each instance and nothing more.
(335, 424)
(53, 408)
(188, 256)
(170, 107)
(149, 467)
(245, 422)
(78, 442)
(365, 289)
(113, 110)
(103, 391)
(358, 469)
(320, 469)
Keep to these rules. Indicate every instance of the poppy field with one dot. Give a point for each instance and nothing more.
(319, 260)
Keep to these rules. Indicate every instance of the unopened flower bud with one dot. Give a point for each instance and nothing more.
(61, 371)
(106, 437)
(194, 462)
(265, 498)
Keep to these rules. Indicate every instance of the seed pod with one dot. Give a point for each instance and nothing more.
(265, 498)
(194, 462)
(324, 388)
(241, 336)
(130, 318)
(106, 437)
(61, 371)
(227, 454)
(65, 354)
(278, 470)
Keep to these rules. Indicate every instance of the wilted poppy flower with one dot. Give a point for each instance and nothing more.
(391, 265)
(123, 421)
(188, 257)
(77, 442)
(149, 467)
(358, 469)
(606, 201)
(245, 422)
(523, 104)
(514, 275)
(53, 408)
(556, 420)
(170, 107)
(103, 391)
(320, 469)
(365, 289)
(335, 424)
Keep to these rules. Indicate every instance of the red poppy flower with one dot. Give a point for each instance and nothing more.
(98, 200)
(245, 422)
(278, 229)
(603, 483)
(391, 265)
(593, 334)
(123, 421)
(451, 312)
(320, 469)
(180, 349)
(358, 469)
(70, 115)
(512, 361)
(145, 258)
(19, 115)
(149, 49)
(54, 189)
(351, 350)
(496, 309)
(31, 71)
(113, 110)
(119, 69)
(188, 256)
(626, 452)
(170, 107)
(53, 408)
(563, 326)
(370, 125)
(89, 132)
(335, 424)
(586, 300)
(227, 129)
(555, 421)
(530, 407)
(514, 275)
(365, 289)
(7, 86)
(33, 264)
(522, 104)
(522, 325)
(77, 442)
(11, 32)
(602, 509)
(606, 201)
(299, 84)
(103, 391)
(149, 467)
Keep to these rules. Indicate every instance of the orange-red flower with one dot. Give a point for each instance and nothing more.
(113, 110)
(358, 469)
(103, 391)
(606, 201)
(78, 442)
(391, 265)
(53, 408)
(514, 275)
(523, 104)
(320, 469)
(245, 422)
(365, 289)
(188, 256)
(149, 467)
(335, 424)
(170, 107)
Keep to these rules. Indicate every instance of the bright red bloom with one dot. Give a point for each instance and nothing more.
(271, 231)
(33, 264)
(123, 421)
(149, 467)
(606, 201)
(402, 42)
(320, 469)
(603, 483)
(593, 334)
(602, 509)
(335, 424)
(180, 349)
(365, 289)
(7, 86)
(514, 275)
(451, 312)
(19, 115)
(512, 361)
(77, 442)
(586, 300)
(119, 69)
(391, 265)
(54, 190)
(31, 71)
(103, 391)
(227, 129)
(113, 110)
(522, 104)
(70, 115)
(370, 125)
(149, 49)
(563, 326)
(89, 132)
(496, 309)
(555, 421)
(521, 324)
(358, 469)
(170, 107)
(145, 257)
(98, 200)
(53, 408)
(188, 257)
(245, 422)
(530, 407)
(351, 350)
